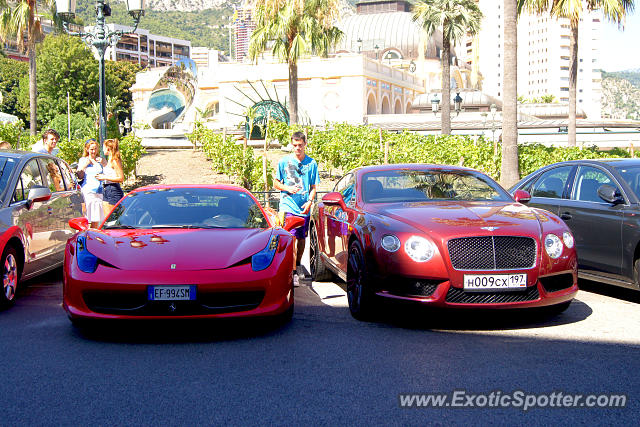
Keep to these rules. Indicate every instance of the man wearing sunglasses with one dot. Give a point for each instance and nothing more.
(297, 178)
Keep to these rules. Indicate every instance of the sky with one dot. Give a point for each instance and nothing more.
(620, 50)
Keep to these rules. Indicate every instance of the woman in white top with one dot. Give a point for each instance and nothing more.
(112, 175)
(89, 166)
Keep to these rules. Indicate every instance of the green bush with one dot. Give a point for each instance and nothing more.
(232, 159)
(82, 126)
(131, 150)
(70, 151)
(11, 132)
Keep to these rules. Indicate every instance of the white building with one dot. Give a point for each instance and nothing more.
(543, 56)
(145, 48)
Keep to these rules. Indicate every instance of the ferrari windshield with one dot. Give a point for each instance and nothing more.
(187, 208)
(410, 185)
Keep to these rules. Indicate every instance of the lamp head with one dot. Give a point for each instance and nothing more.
(136, 8)
(66, 9)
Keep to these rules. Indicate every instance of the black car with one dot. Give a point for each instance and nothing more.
(600, 201)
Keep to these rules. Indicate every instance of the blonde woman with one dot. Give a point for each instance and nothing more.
(89, 167)
(112, 175)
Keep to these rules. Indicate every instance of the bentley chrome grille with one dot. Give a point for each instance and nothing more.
(492, 252)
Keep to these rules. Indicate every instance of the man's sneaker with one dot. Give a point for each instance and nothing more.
(296, 280)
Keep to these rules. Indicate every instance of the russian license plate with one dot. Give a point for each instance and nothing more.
(493, 282)
(171, 293)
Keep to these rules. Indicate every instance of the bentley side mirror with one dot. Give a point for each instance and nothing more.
(522, 196)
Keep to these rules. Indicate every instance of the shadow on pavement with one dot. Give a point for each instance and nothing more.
(612, 291)
(177, 330)
(412, 316)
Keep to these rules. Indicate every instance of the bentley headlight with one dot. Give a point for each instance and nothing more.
(419, 249)
(568, 239)
(390, 242)
(553, 245)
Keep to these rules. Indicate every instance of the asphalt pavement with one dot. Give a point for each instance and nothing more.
(322, 368)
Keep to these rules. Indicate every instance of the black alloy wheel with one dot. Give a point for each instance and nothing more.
(359, 293)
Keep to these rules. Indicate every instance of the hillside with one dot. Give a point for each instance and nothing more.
(621, 95)
(201, 27)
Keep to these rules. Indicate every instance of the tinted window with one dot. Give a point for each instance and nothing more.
(53, 174)
(426, 185)
(187, 208)
(6, 166)
(587, 182)
(69, 177)
(632, 176)
(551, 183)
(29, 178)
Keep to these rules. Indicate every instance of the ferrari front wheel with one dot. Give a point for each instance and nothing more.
(319, 271)
(10, 276)
(359, 293)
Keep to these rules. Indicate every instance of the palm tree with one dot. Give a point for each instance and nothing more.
(509, 171)
(613, 10)
(457, 18)
(296, 28)
(20, 18)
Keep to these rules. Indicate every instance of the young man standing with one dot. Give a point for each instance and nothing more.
(49, 141)
(297, 178)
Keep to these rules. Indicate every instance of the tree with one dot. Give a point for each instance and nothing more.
(11, 72)
(296, 28)
(120, 76)
(509, 172)
(573, 10)
(66, 65)
(20, 18)
(457, 18)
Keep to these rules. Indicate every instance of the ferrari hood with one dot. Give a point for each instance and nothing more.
(176, 249)
(466, 218)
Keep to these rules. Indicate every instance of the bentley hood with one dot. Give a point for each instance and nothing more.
(467, 218)
(176, 249)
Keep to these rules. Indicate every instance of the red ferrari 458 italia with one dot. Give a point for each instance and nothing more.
(181, 251)
(442, 236)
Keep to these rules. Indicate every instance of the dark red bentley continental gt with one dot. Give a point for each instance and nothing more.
(443, 236)
(181, 251)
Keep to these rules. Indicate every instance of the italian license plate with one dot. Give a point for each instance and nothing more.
(171, 293)
(493, 282)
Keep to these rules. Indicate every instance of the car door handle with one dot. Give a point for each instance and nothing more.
(565, 215)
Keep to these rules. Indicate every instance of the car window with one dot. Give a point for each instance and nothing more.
(588, 180)
(29, 178)
(413, 185)
(631, 174)
(551, 184)
(187, 208)
(68, 176)
(6, 166)
(53, 174)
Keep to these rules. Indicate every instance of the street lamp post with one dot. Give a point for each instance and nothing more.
(100, 39)
(494, 110)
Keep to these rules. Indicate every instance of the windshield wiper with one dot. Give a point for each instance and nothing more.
(110, 227)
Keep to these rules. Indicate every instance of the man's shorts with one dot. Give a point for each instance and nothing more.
(300, 232)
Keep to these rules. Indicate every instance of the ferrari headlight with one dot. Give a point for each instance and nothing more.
(263, 259)
(419, 249)
(390, 242)
(568, 239)
(87, 261)
(553, 245)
